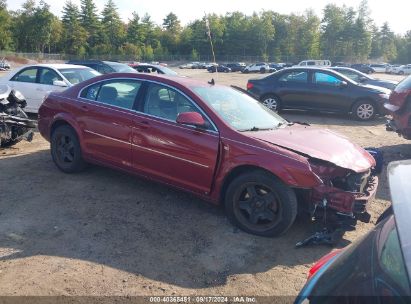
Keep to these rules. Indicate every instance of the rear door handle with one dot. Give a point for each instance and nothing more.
(85, 108)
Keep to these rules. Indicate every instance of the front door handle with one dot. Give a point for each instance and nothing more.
(142, 124)
(85, 108)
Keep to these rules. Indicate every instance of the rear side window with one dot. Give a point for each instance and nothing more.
(296, 76)
(27, 75)
(119, 93)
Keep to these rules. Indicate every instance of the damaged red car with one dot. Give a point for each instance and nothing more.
(213, 141)
(399, 106)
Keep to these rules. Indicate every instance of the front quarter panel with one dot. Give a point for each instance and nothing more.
(292, 169)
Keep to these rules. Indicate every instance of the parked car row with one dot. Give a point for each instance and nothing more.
(378, 68)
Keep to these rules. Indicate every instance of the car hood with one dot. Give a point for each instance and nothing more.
(376, 89)
(321, 144)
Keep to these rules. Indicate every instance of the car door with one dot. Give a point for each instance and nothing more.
(46, 79)
(105, 116)
(182, 155)
(293, 89)
(329, 93)
(25, 81)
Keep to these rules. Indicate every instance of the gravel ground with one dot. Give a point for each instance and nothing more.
(104, 232)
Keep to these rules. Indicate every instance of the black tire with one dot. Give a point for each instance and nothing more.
(364, 110)
(269, 210)
(401, 73)
(272, 102)
(66, 150)
(262, 70)
(387, 212)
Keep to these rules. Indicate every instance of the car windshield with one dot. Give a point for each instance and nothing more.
(239, 110)
(168, 71)
(77, 75)
(403, 85)
(121, 68)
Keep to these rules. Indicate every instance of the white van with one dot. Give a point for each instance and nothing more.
(320, 63)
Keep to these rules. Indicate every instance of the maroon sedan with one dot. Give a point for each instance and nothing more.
(399, 106)
(213, 141)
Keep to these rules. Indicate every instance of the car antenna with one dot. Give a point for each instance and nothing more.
(208, 33)
(212, 82)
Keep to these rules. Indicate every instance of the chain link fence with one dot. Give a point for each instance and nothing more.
(169, 58)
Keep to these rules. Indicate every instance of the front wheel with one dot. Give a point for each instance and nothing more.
(66, 150)
(364, 110)
(260, 204)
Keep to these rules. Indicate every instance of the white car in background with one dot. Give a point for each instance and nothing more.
(260, 67)
(36, 81)
(379, 68)
(390, 68)
(402, 70)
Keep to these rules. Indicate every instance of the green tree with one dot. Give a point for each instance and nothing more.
(74, 35)
(113, 27)
(91, 23)
(5, 27)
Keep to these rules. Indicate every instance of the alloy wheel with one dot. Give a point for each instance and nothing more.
(365, 111)
(271, 103)
(65, 149)
(258, 207)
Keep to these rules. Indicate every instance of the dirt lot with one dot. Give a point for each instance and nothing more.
(107, 233)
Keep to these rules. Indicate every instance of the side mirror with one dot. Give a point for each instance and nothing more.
(363, 79)
(191, 119)
(59, 83)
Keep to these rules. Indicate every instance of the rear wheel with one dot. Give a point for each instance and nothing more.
(262, 70)
(260, 204)
(272, 102)
(401, 73)
(66, 150)
(364, 110)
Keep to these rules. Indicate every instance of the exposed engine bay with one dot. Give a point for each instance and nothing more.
(14, 122)
(340, 201)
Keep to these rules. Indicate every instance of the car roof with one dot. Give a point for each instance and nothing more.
(175, 80)
(57, 65)
(399, 176)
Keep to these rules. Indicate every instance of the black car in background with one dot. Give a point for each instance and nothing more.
(376, 268)
(360, 77)
(363, 68)
(104, 67)
(319, 89)
(236, 67)
(219, 68)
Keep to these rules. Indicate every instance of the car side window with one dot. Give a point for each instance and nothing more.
(392, 261)
(91, 92)
(295, 76)
(326, 79)
(119, 93)
(27, 75)
(48, 76)
(164, 102)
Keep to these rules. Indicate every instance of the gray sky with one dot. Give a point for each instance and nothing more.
(396, 12)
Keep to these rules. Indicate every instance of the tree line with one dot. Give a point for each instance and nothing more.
(342, 34)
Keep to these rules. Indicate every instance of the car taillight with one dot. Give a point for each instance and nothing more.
(249, 85)
(317, 266)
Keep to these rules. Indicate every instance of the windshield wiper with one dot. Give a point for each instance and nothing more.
(255, 129)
